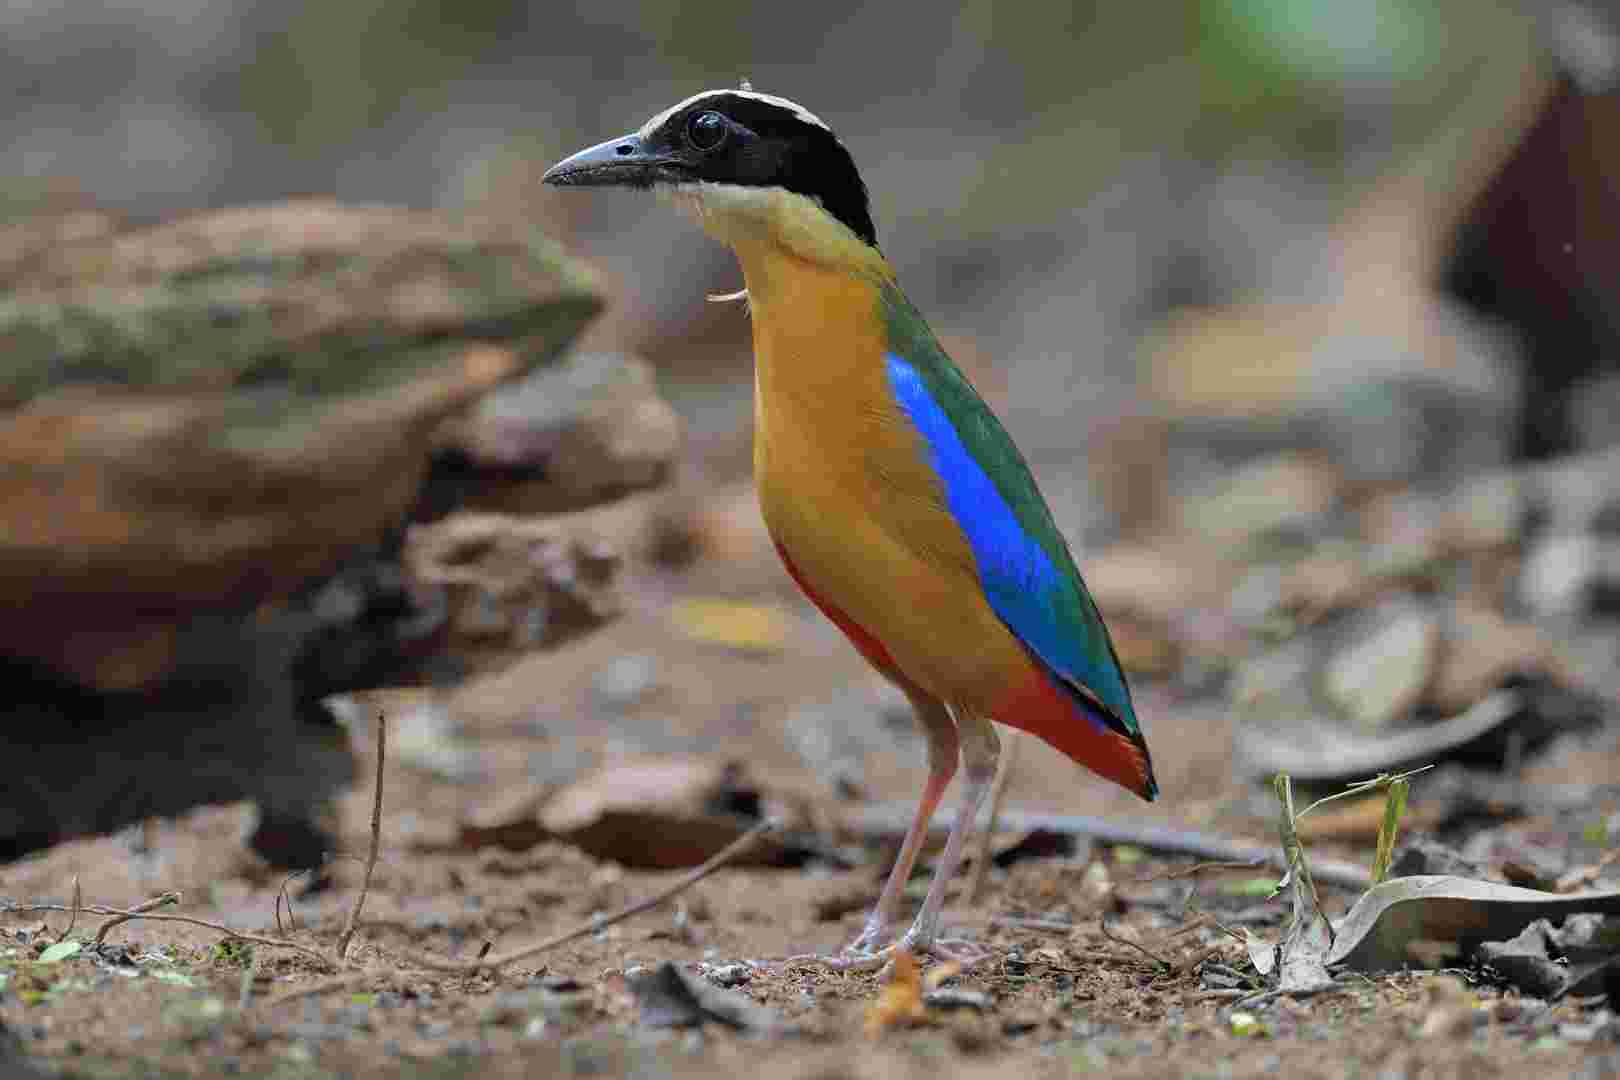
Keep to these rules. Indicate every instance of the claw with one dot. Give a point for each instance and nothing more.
(966, 954)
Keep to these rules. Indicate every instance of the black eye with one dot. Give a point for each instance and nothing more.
(706, 131)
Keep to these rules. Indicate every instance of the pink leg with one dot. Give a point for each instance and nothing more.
(980, 749)
(942, 753)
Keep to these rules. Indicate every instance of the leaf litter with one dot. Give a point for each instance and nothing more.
(1064, 979)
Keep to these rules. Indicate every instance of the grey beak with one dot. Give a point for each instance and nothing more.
(621, 162)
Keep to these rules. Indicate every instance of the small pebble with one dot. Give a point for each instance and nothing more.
(956, 998)
(728, 975)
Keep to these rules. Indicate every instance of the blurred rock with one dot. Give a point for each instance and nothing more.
(1157, 584)
(519, 582)
(1487, 511)
(190, 397)
(423, 736)
(1273, 687)
(590, 429)
(1576, 494)
(663, 813)
(1418, 855)
(669, 997)
(1380, 673)
(1534, 250)
(835, 737)
(1313, 749)
(1391, 397)
(1286, 496)
(1523, 961)
(1331, 577)
(1500, 732)
(625, 681)
(1483, 651)
(1559, 572)
(230, 722)
(1571, 563)
(725, 525)
(212, 432)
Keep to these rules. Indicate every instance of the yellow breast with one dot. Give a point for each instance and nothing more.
(846, 488)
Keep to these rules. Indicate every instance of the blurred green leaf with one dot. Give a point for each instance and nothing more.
(62, 950)
(1394, 807)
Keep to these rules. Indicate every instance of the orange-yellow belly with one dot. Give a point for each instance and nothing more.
(852, 502)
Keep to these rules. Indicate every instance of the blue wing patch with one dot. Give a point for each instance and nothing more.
(1031, 594)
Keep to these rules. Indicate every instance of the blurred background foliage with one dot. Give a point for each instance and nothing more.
(1051, 178)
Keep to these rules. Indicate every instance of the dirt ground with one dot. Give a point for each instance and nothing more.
(169, 999)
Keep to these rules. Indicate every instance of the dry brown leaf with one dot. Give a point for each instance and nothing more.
(940, 975)
(1482, 651)
(745, 627)
(901, 1002)
(1359, 819)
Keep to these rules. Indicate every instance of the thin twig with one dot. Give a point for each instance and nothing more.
(499, 960)
(376, 840)
(998, 795)
(1203, 867)
(1364, 787)
(336, 984)
(885, 822)
(283, 894)
(121, 915)
(1019, 922)
(1102, 924)
(127, 914)
(1191, 963)
(686, 881)
(73, 920)
(1206, 919)
(1198, 922)
(251, 939)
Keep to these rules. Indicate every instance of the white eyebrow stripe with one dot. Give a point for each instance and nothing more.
(770, 99)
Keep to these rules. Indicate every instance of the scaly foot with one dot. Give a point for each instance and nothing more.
(861, 957)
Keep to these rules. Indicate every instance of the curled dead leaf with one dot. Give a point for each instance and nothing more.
(901, 1002)
(754, 628)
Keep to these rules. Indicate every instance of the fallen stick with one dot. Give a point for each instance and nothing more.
(684, 882)
(887, 822)
(494, 961)
(143, 912)
(376, 841)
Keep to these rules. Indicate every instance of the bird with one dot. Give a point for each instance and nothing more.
(896, 499)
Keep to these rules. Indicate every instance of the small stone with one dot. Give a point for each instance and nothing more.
(1288, 495)
(957, 998)
(1381, 676)
(728, 975)
(625, 680)
(1487, 512)
(1557, 571)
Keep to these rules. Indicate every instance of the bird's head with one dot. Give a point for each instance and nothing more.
(738, 157)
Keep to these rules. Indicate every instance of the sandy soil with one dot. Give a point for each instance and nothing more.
(169, 999)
